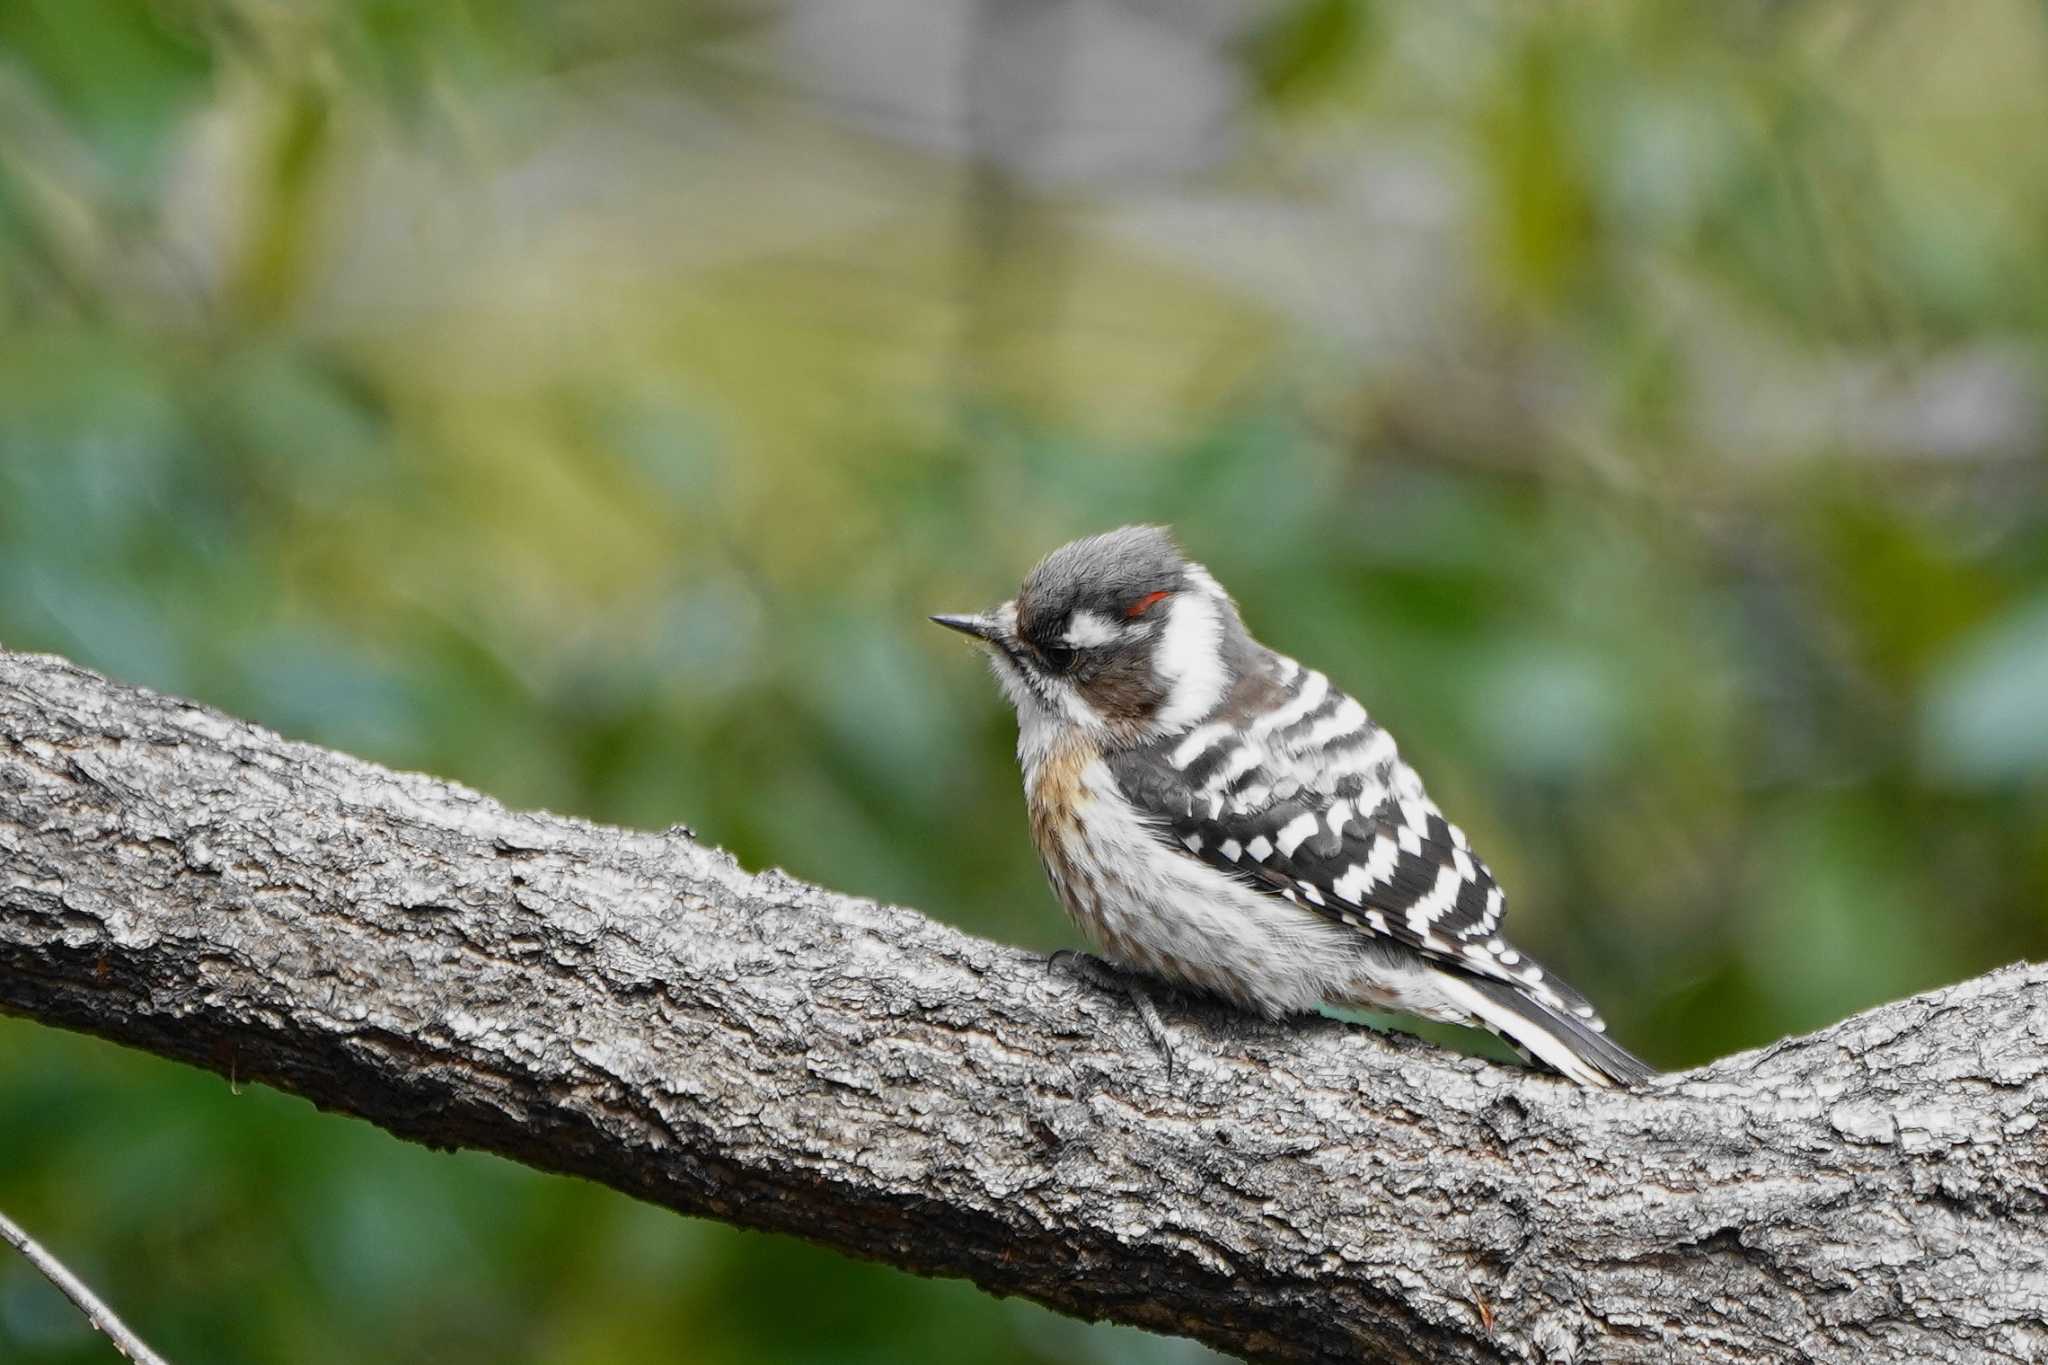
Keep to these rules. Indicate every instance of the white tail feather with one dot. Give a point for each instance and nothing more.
(1545, 1046)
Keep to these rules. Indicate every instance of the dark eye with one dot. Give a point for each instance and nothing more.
(1058, 658)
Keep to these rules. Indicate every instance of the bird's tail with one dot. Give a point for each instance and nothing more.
(1554, 1027)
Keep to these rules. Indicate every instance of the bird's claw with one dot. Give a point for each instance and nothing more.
(1108, 977)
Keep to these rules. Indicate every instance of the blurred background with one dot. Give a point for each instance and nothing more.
(1640, 407)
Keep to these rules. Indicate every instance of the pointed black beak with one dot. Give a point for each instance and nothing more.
(980, 627)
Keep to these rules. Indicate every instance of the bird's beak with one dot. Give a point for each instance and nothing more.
(980, 627)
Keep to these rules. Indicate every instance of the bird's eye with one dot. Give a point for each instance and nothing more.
(1058, 658)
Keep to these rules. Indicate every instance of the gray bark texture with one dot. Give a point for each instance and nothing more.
(636, 1009)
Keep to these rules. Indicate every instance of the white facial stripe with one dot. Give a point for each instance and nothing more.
(1035, 731)
(1042, 703)
(1190, 658)
(1087, 629)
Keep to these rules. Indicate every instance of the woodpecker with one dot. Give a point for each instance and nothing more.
(1213, 813)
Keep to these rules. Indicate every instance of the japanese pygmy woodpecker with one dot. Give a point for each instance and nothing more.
(1213, 813)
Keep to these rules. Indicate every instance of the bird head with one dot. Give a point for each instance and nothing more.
(1119, 635)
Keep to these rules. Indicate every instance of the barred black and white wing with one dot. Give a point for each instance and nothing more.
(1292, 788)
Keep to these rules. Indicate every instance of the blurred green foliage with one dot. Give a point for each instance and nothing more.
(1639, 406)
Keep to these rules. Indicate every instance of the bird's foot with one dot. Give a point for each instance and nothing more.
(1108, 976)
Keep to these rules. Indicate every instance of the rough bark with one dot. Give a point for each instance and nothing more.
(636, 1009)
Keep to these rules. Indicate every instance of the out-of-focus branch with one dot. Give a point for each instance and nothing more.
(636, 1009)
(71, 1287)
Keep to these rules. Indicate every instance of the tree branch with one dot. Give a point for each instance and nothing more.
(636, 1009)
(82, 1298)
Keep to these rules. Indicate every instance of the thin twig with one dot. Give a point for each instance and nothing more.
(73, 1288)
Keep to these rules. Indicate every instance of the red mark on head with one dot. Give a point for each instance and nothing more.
(1146, 603)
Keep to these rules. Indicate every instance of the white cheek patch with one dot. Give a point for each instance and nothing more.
(1041, 720)
(1026, 701)
(1065, 696)
(1043, 704)
(1190, 660)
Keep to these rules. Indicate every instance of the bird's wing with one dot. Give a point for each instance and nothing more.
(1308, 799)
(1302, 796)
